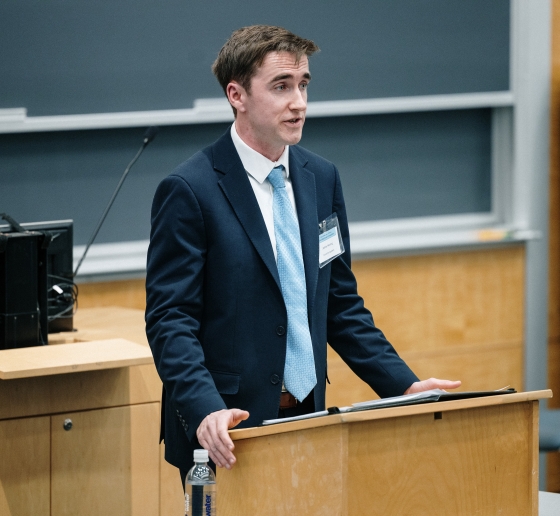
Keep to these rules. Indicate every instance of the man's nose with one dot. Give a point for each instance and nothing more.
(299, 100)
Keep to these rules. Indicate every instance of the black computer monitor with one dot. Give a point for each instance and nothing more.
(61, 294)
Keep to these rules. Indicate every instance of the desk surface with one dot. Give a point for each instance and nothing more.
(91, 347)
(384, 413)
(72, 357)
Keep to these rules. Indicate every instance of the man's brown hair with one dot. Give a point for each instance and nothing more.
(246, 49)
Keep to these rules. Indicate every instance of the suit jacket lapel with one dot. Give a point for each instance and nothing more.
(237, 188)
(305, 195)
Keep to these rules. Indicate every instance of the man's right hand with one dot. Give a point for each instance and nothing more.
(213, 435)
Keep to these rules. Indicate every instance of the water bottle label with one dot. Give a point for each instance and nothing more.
(201, 507)
(209, 505)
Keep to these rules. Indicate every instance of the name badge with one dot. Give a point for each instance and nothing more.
(330, 241)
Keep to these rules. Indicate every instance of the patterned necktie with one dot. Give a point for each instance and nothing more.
(299, 371)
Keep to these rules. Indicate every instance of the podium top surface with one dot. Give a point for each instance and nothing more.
(72, 357)
(385, 413)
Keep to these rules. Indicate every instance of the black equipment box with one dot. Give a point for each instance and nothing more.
(23, 290)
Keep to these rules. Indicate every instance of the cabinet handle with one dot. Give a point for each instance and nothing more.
(68, 424)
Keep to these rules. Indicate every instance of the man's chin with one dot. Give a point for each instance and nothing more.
(293, 138)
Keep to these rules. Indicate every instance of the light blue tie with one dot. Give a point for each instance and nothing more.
(299, 371)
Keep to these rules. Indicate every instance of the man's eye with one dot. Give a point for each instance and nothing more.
(304, 85)
(281, 87)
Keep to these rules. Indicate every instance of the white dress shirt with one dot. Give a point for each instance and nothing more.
(258, 167)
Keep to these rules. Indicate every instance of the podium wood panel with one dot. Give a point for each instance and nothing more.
(302, 472)
(475, 461)
(464, 457)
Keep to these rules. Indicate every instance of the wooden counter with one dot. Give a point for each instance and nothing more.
(76, 357)
(79, 423)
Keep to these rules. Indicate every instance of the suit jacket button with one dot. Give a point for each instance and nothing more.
(274, 379)
(280, 330)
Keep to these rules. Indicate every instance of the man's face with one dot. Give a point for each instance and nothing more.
(272, 114)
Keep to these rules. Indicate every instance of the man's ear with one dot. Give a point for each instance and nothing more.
(236, 95)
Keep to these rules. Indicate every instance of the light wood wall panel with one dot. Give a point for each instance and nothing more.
(479, 367)
(553, 483)
(446, 300)
(127, 293)
(450, 315)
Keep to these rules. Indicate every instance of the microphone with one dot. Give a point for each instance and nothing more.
(149, 135)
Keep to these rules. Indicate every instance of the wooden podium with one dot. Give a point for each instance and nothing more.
(476, 456)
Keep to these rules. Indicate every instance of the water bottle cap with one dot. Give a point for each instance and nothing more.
(201, 455)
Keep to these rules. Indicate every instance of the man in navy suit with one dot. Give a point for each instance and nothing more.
(220, 314)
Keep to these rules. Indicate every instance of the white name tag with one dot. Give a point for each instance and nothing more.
(330, 241)
(329, 246)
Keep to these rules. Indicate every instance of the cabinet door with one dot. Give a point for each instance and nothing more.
(107, 462)
(25, 467)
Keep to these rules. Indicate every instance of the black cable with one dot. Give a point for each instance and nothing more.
(68, 288)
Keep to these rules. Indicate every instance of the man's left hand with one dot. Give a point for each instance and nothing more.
(432, 383)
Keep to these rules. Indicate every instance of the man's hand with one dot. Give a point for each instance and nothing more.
(213, 435)
(432, 383)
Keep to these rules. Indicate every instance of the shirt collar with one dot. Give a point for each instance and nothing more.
(257, 165)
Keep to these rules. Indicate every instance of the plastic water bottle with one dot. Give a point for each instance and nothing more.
(200, 487)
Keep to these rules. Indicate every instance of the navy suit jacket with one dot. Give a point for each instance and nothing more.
(215, 317)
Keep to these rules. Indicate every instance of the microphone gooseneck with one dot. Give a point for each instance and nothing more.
(149, 135)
